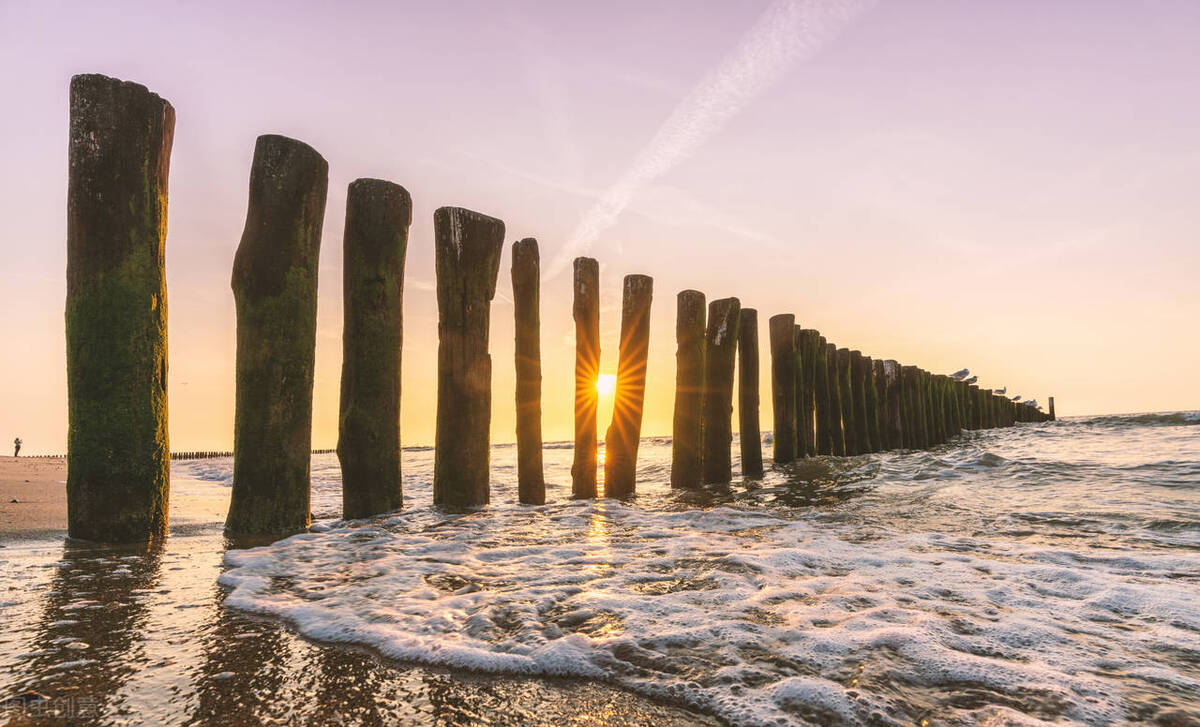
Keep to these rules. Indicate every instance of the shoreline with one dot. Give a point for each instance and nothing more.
(39, 487)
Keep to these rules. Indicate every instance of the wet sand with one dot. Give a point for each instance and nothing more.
(39, 488)
(114, 635)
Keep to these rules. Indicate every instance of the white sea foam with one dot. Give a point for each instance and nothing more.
(759, 618)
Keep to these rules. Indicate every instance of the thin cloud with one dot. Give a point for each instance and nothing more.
(788, 32)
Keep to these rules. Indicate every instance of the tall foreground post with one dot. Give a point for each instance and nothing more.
(275, 289)
(526, 277)
(689, 390)
(750, 436)
(118, 457)
(467, 246)
(621, 441)
(720, 351)
(783, 385)
(378, 215)
(586, 310)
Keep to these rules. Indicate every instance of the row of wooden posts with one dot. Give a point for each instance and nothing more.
(825, 400)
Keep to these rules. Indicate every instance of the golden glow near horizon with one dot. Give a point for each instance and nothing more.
(606, 384)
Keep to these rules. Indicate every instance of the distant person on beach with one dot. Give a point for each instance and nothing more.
(17, 447)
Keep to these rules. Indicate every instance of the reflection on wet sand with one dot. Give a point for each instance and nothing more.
(89, 631)
(137, 635)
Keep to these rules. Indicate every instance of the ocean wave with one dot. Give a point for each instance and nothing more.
(755, 618)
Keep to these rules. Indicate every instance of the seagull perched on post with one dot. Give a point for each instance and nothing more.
(960, 374)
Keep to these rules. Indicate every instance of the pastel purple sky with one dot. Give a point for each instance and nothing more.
(1007, 186)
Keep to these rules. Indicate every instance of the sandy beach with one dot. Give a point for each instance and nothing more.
(33, 497)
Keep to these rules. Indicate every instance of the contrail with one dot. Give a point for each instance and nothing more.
(788, 32)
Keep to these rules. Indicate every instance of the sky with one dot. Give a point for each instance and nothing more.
(1007, 187)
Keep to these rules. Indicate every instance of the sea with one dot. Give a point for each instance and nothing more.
(1042, 574)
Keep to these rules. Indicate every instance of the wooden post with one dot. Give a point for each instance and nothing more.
(378, 215)
(894, 420)
(915, 412)
(837, 404)
(846, 392)
(1050, 414)
(720, 350)
(526, 283)
(874, 436)
(806, 409)
(586, 310)
(118, 454)
(858, 386)
(801, 434)
(689, 390)
(624, 434)
(783, 386)
(749, 433)
(468, 246)
(821, 406)
(275, 289)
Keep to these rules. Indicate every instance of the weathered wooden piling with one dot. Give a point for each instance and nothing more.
(621, 440)
(526, 282)
(275, 291)
(858, 384)
(821, 407)
(687, 426)
(118, 455)
(846, 393)
(720, 351)
(467, 246)
(378, 215)
(586, 311)
(1050, 416)
(749, 433)
(801, 434)
(783, 386)
(914, 423)
(837, 428)
(874, 436)
(806, 438)
(893, 421)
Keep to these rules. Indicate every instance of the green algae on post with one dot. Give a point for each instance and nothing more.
(378, 215)
(467, 247)
(275, 291)
(118, 454)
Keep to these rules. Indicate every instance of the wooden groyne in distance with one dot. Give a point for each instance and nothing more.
(468, 247)
(275, 291)
(750, 436)
(783, 385)
(721, 337)
(119, 156)
(686, 426)
(586, 311)
(625, 431)
(378, 215)
(526, 283)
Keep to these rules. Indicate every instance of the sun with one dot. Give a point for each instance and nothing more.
(606, 384)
